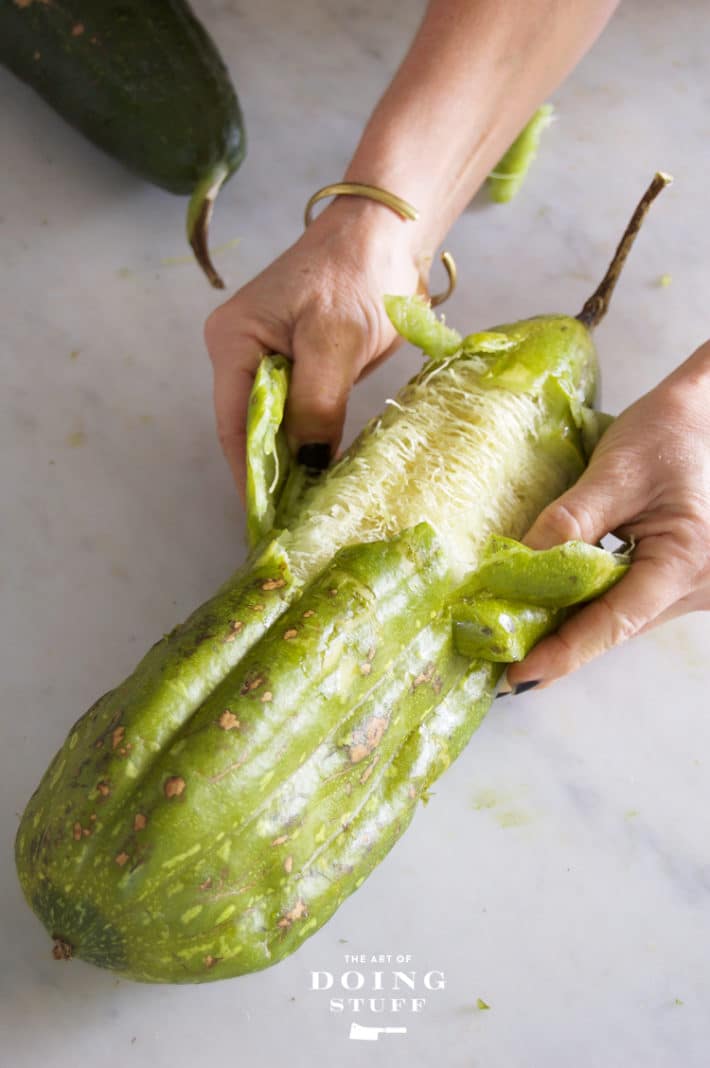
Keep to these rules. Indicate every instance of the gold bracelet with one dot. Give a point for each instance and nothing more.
(401, 207)
(359, 189)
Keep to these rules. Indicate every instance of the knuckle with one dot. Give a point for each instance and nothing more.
(213, 330)
(562, 523)
(563, 656)
(620, 624)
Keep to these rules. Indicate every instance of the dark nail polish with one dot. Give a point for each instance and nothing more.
(315, 456)
(523, 686)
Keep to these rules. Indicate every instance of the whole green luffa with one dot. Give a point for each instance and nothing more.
(210, 813)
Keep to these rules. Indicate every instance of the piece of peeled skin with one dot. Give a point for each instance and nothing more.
(267, 455)
(559, 577)
(414, 320)
(519, 594)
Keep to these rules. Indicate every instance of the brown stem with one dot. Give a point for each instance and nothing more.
(201, 248)
(595, 308)
(199, 213)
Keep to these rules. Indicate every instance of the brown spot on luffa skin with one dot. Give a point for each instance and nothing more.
(112, 730)
(369, 769)
(298, 911)
(428, 675)
(367, 738)
(251, 682)
(423, 677)
(174, 786)
(273, 584)
(228, 721)
(234, 628)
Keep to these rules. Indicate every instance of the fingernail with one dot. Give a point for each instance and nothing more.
(316, 456)
(523, 686)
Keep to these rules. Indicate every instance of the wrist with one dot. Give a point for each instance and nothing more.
(370, 229)
(374, 233)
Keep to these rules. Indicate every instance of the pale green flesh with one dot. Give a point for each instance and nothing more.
(456, 451)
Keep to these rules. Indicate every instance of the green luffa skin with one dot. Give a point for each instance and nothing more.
(213, 811)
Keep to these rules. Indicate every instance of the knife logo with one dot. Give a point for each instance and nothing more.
(362, 1033)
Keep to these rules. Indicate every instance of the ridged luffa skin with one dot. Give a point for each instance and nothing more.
(213, 811)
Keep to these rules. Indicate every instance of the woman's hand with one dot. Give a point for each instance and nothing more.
(649, 479)
(471, 79)
(321, 304)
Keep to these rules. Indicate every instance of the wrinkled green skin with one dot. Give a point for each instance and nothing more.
(214, 810)
(143, 81)
(559, 577)
(517, 595)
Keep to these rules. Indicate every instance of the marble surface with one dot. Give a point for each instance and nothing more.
(561, 872)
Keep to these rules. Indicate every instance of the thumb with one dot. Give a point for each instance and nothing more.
(326, 359)
(603, 499)
(598, 503)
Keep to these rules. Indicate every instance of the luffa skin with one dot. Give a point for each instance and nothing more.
(214, 810)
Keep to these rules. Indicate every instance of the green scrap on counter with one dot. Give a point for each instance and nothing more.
(506, 179)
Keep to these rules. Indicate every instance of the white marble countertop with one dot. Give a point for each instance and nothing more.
(562, 871)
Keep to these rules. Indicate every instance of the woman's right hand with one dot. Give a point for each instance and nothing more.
(648, 480)
(319, 303)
